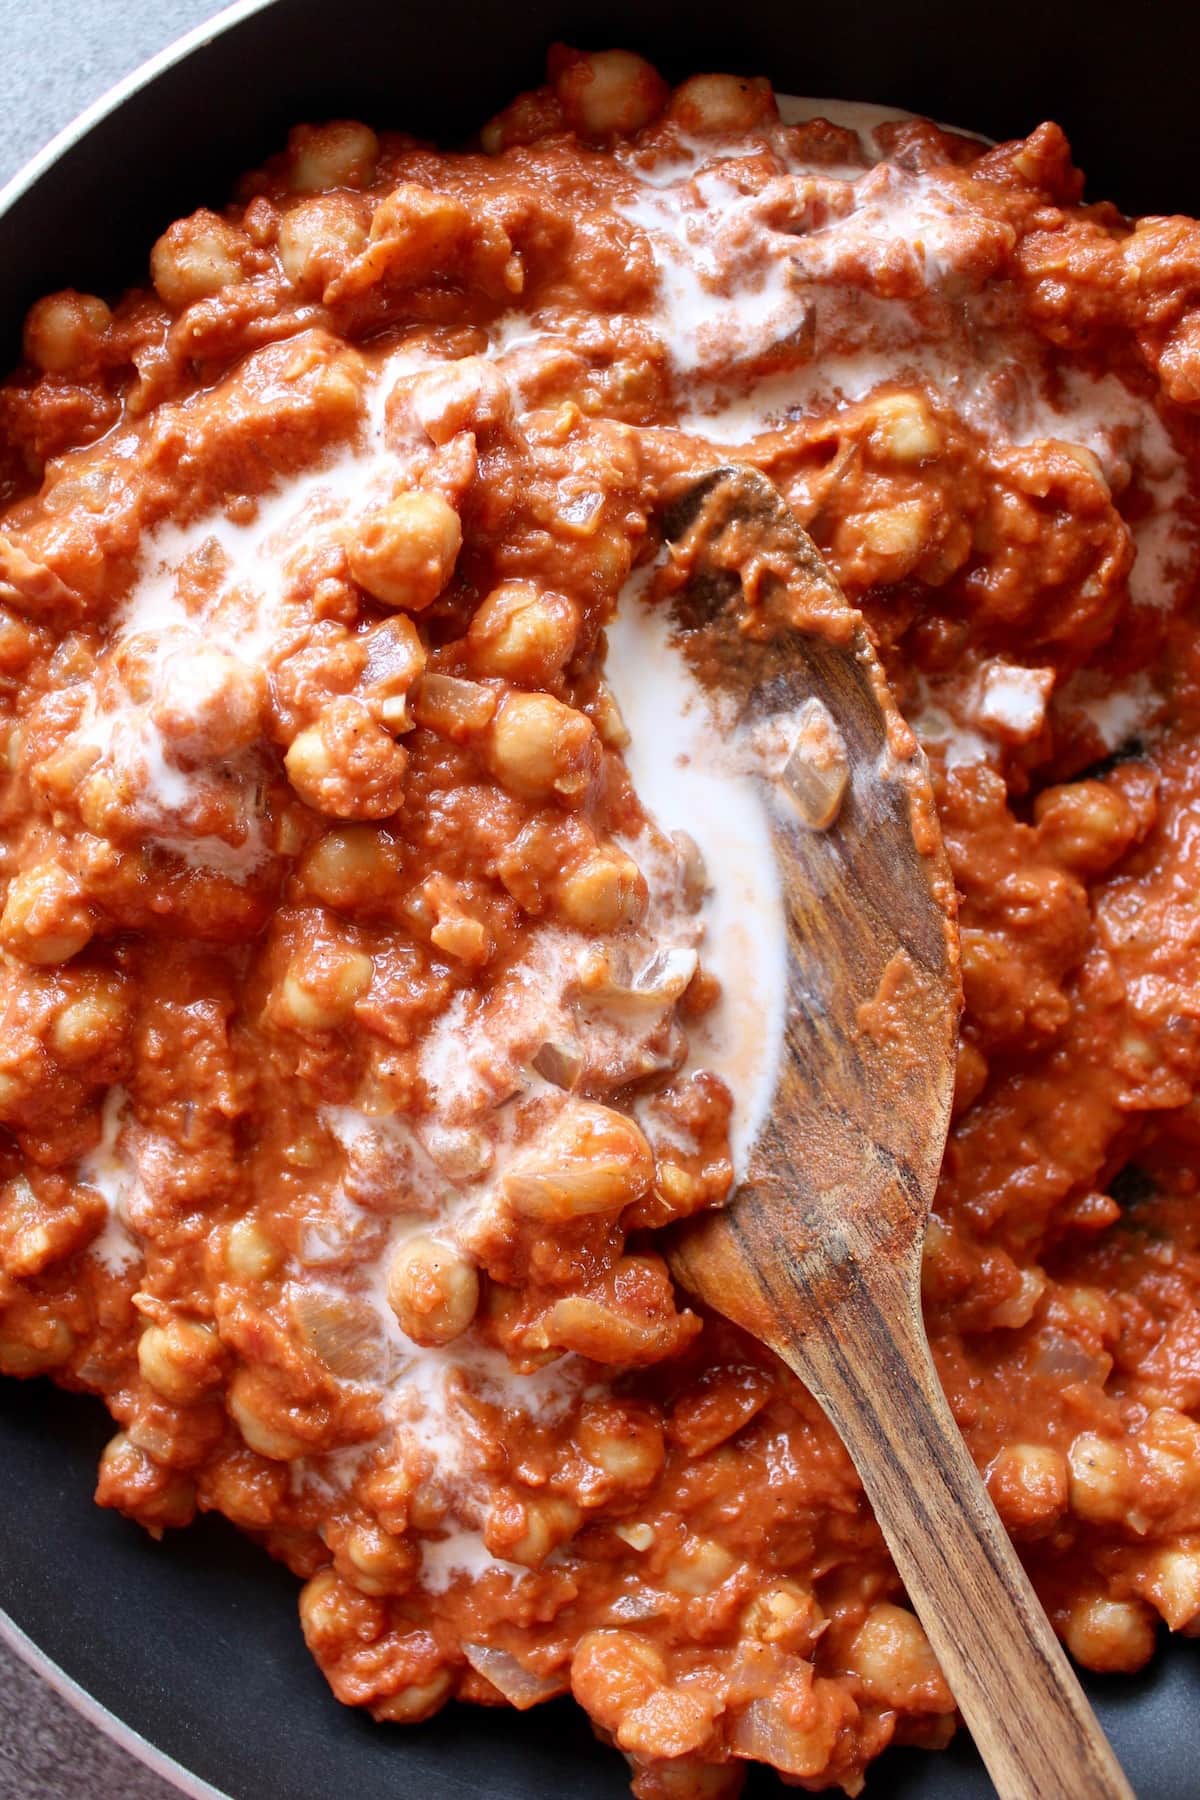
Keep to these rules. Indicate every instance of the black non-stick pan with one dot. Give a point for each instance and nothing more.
(194, 1643)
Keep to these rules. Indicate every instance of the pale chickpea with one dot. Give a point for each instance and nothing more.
(605, 892)
(1084, 825)
(92, 1021)
(1099, 1487)
(181, 1360)
(64, 332)
(722, 104)
(699, 1566)
(903, 430)
(129, 1478)
(35, 1344)
(1028, 1484)
(317, 238)
(894, 536)
(209, 704)
(523, 632)
(970, 1076)
(784, 1613)
(538, 747)
(195, 258)
(622, 1440)
(419, 1700)
(346, 764)
(613, 1672)
(349, 867)
(433, 1290)
(250, 1254)
(592, 1160)
(540, 1525)
(45, 919)
(333, 1612)
(894, 1662)
(256, 1413)
(321, 997)
(342, 153)
(1110, 1635)
(376, 1562)
(603, 92)
(404, 553)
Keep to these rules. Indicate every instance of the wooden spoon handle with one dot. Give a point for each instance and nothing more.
(1026, 1711)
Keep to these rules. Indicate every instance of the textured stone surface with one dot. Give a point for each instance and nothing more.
(59, 56)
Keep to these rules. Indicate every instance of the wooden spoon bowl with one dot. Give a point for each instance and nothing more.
(819, 1252)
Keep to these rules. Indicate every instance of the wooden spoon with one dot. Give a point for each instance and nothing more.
(819, 1252)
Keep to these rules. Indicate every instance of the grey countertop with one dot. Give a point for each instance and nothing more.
(59, 55)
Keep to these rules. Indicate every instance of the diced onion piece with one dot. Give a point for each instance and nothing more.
(342, 1331)
(559, 1061)
(519, 1686)
(817, 770)
(762, 1734)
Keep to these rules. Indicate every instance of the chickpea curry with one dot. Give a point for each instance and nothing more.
(365, 1013)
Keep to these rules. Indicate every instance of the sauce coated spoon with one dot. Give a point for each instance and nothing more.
(818, 1253)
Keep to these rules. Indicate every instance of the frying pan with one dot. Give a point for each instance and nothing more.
(194, 1644)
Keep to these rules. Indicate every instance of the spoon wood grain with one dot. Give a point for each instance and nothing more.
(819, 1252)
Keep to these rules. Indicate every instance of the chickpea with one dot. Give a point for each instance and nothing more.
(333, 1613)
(433, 1291)
(894, 1662)
(785, 1614)
(93, 1022)
(1110, 1635)
(722, 104)
(64, 332)
(34, 1344)
(970, 1076)
(404, 553)
(613, 1672)
(523, 633)
(605, 892)
(1016, 1309)
(181, 1360)
(256, 1412)
(1086, 826)
(538, 747)
(342, 153)
(137, 1485)
(321, 998)
(346, 764)
(317, 239)
(350, 867)
(1028, 1484)
(903, 431)
(249, 1253)
(592, 1160)
(419, 1700)
(699, 1566)
(528, 1532)
(603, 92)
(624, 1441)
(45, 919)
(376, 1562)
(1099, 1479)
(209, 704)
(196, 257)
(894, 536)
